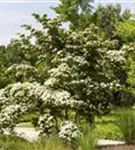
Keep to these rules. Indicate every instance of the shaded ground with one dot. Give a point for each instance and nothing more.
(120, 147)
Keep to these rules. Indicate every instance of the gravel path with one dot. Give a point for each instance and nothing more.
(119, 147)
(31, 134)
(109, 142)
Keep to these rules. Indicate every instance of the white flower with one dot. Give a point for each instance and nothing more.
(46, 124)
(69, 132)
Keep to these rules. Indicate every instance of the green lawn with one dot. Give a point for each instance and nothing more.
(25, 125)
(106, 128)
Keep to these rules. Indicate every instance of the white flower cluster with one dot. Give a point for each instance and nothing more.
(75, 60)
(116, 56)
(129, 48)
(17, 99)
(110, 85)
(24, 94)
(20, 98)
(21, 67)
(63, 70)
(24, 70)
(59, 98)
(69, 132)
(46, 124)
(10, 116)
(51, 82)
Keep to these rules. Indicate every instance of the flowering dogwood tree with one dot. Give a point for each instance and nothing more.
(70, 76)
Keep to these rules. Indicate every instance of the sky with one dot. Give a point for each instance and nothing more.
(14, 13)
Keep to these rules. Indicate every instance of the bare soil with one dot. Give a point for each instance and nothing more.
(119, 147)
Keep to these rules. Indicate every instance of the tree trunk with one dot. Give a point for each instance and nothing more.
(66, 114)
(77, 117)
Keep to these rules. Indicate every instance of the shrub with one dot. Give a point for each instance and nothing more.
(46, 124)
(70, 133)
(126, 124)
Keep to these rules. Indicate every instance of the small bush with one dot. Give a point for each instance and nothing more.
(46, 124)
(126, 124)
(69, 133)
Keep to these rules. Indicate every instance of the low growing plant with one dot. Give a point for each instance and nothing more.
(70, 133)
(87, 140)
(51, 143)
(126, 124)
(8, 142)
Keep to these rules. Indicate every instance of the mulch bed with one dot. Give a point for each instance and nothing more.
(119, 147)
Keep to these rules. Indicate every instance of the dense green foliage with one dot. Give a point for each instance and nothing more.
(126, 31)
(108, 17)
(75, 12)
(115, 23)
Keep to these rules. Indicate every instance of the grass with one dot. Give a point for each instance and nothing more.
(107, 129)
(52, 143)
(126, 123)
(16, 143)
(9, 142)
(88, 140)
(12, 143)
(28, 117)
(117, 126)
(25, 125)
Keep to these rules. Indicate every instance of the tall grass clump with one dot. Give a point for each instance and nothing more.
(88, 139)
(52, 143)
(8, 142)
(126, 123)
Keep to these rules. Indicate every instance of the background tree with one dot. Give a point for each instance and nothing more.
(76, 12)
(115, 24)
(107, 18)
(3, 77)
(125, 31)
